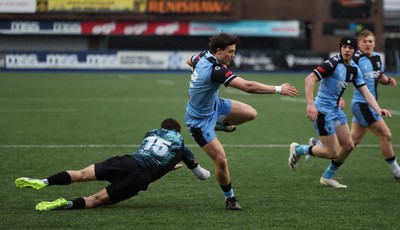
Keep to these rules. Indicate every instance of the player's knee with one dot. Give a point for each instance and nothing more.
(221, 162)
(348, 147)
(355, 139)
(334, 155)
(252, 114)
(387, 136)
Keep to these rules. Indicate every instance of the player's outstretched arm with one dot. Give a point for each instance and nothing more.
(254, 87)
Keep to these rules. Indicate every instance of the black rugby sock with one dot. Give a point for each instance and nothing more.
(78, 203)
(62, 178)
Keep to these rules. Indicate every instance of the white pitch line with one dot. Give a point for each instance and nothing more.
(190, 145)
(42, 110)
(294, 99)
(67, 146)
(90, 99)
(165, 82)
(397, 113)
(230, 90)
(303, 100)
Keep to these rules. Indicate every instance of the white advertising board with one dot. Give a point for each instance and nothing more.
(17, 6)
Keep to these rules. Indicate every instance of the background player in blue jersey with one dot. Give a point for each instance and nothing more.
(160, 152)
(364, 117)
(328, 119)
(206, 112)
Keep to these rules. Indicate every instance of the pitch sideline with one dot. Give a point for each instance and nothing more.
(189, 145)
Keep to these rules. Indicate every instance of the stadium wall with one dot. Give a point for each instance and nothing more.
(321, 25)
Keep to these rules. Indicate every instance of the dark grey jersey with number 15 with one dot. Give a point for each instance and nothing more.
(160, 151)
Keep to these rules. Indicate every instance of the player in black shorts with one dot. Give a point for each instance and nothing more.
(160, 152)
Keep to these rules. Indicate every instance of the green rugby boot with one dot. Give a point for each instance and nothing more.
(25, 182)
(51, 205)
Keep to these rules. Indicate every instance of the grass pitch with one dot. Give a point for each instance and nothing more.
(50, 122)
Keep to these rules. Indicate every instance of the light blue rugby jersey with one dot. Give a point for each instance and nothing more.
(371, 68)
(207, 76)
(334, 77)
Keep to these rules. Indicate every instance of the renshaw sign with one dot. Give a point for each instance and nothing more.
(191, 6)
(226, 7)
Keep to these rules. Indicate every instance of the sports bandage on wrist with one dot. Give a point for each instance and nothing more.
(201, 173)
(278, 89)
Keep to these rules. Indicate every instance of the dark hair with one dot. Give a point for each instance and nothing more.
(351, 41)
(222, 41)
(171, 124)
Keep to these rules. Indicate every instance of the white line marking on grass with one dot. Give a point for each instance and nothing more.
(124, 77)
(303, 100)
(396, 113)
(165, 82)
(234, 91)
(67, 146)
(94, 99)
(294, 99)
(190, 145)
(43, 110)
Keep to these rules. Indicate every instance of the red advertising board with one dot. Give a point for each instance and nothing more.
(135, 28)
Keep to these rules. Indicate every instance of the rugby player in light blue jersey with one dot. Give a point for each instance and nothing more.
(206, 112)
(364, 117)
(160, 152)
(328, 119)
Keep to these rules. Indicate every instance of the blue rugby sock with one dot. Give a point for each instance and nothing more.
(302, 149)
(229, 194)
(331, 170)
(228, 191)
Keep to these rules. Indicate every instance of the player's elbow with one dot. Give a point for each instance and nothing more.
(311, 79)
